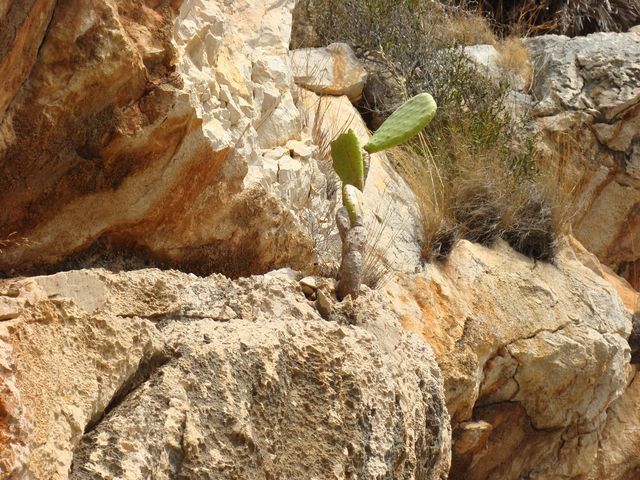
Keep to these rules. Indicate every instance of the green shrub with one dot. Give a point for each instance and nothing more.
(474, 171)
(413, 46)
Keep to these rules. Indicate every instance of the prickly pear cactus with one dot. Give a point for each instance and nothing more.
(404, 123)
(349, 164)
(347, 159)
(353, 201)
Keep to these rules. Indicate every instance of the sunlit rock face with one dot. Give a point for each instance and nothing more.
(134, 129)
(109, 375)
(587, 106)
(533, 355)
(170, 134)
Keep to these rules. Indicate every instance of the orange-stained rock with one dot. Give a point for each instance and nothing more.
(23, 24)
(133, 134)
(538, 351)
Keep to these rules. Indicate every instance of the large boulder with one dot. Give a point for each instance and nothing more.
(167, 375)
(533, 355)
(588, 108)
(167, 134)
(331, 70)
(147, 130)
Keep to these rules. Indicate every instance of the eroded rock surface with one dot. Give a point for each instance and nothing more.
(332, 70)
(588, 94)
(135, 130)
(167, 133)
(164, 374)
(533, 356)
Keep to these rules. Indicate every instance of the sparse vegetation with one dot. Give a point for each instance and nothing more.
(567, 17)
(475, 171)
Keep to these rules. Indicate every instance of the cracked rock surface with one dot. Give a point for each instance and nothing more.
(587, 91)
(533, 356)
(165, 375)
(194, 155)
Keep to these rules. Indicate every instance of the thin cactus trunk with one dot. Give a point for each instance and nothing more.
(351, 164)
(354, 241)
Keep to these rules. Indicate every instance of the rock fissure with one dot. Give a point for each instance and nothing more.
(142, 375)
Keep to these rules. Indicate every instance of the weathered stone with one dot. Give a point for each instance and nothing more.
(589, 110)
(61, 366)
(23, 24)
(309, 286)
(9, 308)
(472, 437)
(160, 165)
(489, 61)
(619, 443)
(93, 389)
(332, 70)
(538, 351)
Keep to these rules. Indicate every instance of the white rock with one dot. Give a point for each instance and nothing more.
(332, 70)
(250, 376)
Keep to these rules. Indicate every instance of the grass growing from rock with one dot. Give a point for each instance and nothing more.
(475, 172)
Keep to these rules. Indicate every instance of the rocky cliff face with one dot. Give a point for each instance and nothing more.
(533, 356)
(186, 134)
(135, 130)
(116, 375)
(588, 104)
(174, 376)
(584, 101)
(163, 131)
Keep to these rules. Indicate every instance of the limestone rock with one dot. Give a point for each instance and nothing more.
(589, 108)
(188, 377)
(537, 351)
(619, 452)
(135, 132)
(331, 70)
(60, 369)
(489, 61)
(629, 296)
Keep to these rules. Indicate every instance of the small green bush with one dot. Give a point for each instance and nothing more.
(474, 168)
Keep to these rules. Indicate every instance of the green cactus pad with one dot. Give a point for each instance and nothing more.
(411, 117)
(353, 201)
(347, 159)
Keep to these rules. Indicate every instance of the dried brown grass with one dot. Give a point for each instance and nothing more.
(567, 17)
(515, 60)
(480, 198)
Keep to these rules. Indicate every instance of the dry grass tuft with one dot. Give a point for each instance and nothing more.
(515, 60)
(566, 17)
(484, 196)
